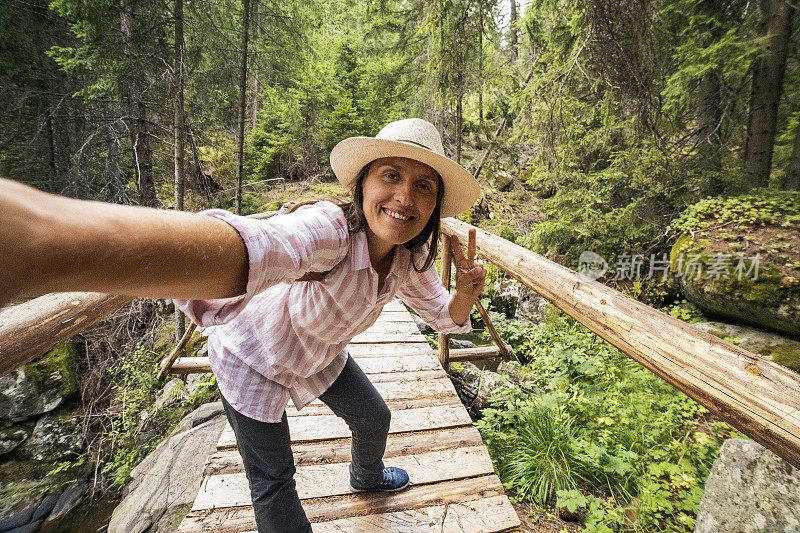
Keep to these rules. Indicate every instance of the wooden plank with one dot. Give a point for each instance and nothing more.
(412, 388)
(379, 337)
(237, 519)
(394, 405)
(379, 350)
(324, 480)
(338, 451)
(401, 363)
(318, 427)
(489, 515)
(713, 372)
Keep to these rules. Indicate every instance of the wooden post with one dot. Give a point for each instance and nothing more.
(758, 397)
(444, 338)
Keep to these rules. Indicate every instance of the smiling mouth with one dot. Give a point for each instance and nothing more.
(395, 215)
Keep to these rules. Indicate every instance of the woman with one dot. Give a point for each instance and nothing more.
(276, 337)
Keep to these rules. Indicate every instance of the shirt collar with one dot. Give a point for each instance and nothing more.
(361, 255)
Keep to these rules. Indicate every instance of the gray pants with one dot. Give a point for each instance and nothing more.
(266, 451)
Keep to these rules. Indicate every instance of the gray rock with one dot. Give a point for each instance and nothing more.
(422, 326)
(513, 370)
(13, 436)
(517, 301)
(46, 505)
(202, 414)
(462, 343)
(750, 490)
(32, 527)
(69, 499)
(167, 478)
(755, 340)
(476, 388)
(173, 393)
(196, 383)
(40, 386)
(56, 436)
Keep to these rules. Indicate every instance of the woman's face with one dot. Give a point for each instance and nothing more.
(399, 197)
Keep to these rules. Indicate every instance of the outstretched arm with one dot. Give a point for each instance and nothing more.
(49, 243)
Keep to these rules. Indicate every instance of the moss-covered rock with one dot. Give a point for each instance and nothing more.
(739, 257)
(40, 386)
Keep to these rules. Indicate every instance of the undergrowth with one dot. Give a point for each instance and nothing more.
(607, 440)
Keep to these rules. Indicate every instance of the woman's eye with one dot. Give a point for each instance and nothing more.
(391, 175)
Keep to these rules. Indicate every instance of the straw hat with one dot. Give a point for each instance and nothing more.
(416, 139)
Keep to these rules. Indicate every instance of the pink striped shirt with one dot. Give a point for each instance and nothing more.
(286, 339)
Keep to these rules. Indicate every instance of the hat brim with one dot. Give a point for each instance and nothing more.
(461, 189)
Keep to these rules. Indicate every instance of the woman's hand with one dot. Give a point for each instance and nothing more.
(470, 277)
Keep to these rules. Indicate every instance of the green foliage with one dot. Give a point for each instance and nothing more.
(607, 438)
(757, 208)
(136, 391)
(61, 359)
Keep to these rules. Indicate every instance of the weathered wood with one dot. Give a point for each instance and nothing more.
(237, 519)
(194, 365)
(30, 329)
(447, 258)
(394, 391)
(394, 405)
(758, 397)
(377, 350)
(230, 462)
(478, 516)
(319, 427)
(168, 361)
(323, 480)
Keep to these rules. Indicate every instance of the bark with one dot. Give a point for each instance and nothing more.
(793, 172)
(254, 111)
(137, 119)
(480, 65)
(459, 116)
(768, 73)
(242, 105)
(180, 320)
(115, 186)
(513, 25)
(710, 119)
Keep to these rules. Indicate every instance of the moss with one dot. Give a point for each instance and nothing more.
(788, 356)
(680, 247)
(61, 360)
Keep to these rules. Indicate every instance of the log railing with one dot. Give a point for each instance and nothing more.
(760, 398)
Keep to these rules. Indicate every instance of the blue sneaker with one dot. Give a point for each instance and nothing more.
(394, 479)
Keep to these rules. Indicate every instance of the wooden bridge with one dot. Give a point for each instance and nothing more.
(453, 486)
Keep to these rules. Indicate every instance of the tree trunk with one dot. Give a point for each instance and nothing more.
(254, 111)
(709, 140)
(115, 186)
(242, 106)
(513, 26)
(459, 116)
(180, 320)
(793, 172)
(137, 119)
(480, 66)
(766, 89)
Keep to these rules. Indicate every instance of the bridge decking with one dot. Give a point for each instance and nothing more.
(453, 486)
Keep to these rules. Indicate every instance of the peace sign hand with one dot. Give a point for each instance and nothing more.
(470, 276)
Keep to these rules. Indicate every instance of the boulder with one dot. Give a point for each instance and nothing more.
(778, 348)
(517, 301)
(166, 482)
(719, 282)
(750, 490)
(11, 437)
(174, 393)
(422, 326)
(462, 343)
(476, 388)
(56, 437)
(40, 386)
(31, 491)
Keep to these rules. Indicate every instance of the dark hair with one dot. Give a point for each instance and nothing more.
(356, 221)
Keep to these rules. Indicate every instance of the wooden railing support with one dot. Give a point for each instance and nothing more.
(758, 397)
(444, 338)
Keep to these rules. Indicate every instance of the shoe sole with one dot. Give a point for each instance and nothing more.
(353, 489)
